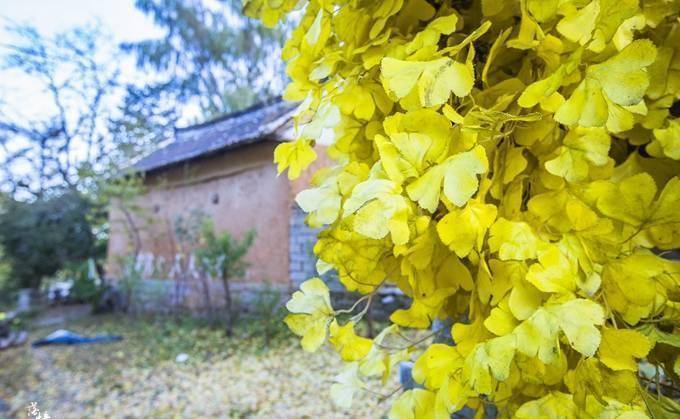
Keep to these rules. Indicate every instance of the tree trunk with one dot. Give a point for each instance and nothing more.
(228, 306)
(205, 282)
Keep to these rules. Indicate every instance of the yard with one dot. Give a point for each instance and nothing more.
(142, 376)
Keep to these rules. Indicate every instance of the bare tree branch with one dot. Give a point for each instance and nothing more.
(79, 88)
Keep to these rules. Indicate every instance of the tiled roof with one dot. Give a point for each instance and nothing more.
(250, 125)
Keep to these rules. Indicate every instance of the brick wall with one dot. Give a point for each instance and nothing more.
(164, 296)
(301, 239)
(238, 189)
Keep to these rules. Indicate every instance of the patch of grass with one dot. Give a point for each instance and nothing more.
(147, 341)
(12, 379)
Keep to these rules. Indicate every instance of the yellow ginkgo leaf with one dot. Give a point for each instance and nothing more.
(630, 285)
(400, 77)
(448, 76)
(436, 79)
(586, 106)
(489, 362)
(537, 336)
(666, 141)
(322, 202)
(400, 162)
(426, 190)
(430, 35)
(624, 77)
(597, 22)
(514, 240)
(378, 209)
(311, 312)
(349, 345)
(422, 311)
(609, 87)
(381, 362)
(580, 215)
(294, 156)
(529, 36)
(270, 11)
(545, 90)
(578, 26)
(346, 385)
(592, 379)
(514, 164)
(319, 31)
(416, 140)
(620, 347)
(613, 13)
(581, 148)
(664, 225)
(451, 397)
(459, 176)
(468, 335)
(655, 335)
(312, 328)
(464, 230)
(630, 200)
(435, 363)
(577, 319)
(554, 272)
(420, 152)
(524, 298)
(509, 276)
(542, 10)
(357, 100)
(552, 406)
(500, 321)
(413, 404)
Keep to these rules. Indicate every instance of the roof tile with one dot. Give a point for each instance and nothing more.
(244, 127)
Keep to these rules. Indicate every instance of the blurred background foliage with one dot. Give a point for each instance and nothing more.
(42, 236)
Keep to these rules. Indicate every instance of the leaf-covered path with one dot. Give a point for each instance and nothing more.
(140, 376)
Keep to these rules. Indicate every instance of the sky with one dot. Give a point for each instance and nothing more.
(52, 16)
(118, 19)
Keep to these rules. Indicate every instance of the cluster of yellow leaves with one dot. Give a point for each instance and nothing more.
(510, 165)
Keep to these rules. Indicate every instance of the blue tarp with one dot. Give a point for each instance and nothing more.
(66, 337)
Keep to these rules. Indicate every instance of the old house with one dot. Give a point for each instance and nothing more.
(224, 169)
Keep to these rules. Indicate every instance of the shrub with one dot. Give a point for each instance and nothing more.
(268, 313)
(221, 256)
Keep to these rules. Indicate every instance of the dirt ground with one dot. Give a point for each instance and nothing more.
(242, 376)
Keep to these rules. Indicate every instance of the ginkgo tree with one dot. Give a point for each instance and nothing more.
(513, 167)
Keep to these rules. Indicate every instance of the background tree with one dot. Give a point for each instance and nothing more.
(146, 116)
(54, 144)
(5, 278)
(38, 238)
(221, 256)
(211, 55)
